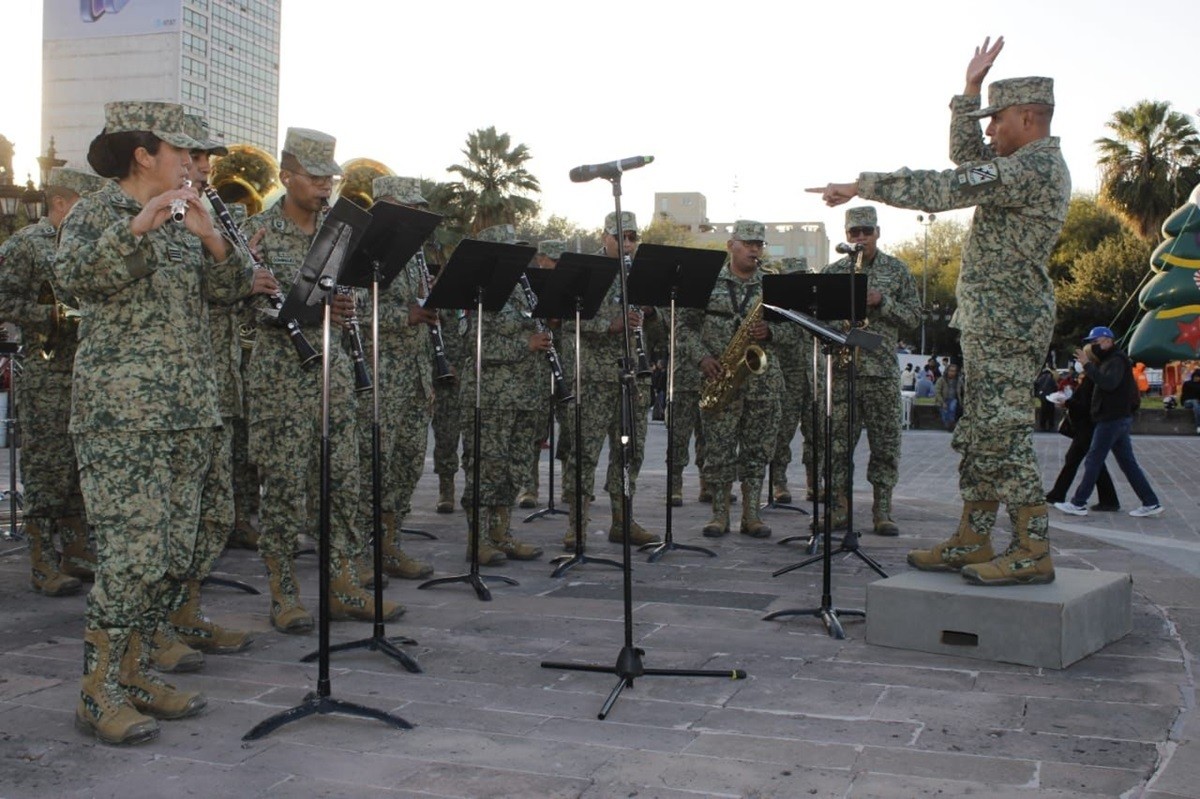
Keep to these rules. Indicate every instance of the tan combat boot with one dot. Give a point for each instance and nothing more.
(489, 555)
(244, 535)
(287, 614)
(970, 544)
(502, 538)
(706, 494)
(169, 654)
(104, 710)
(677, 489)
(572, 532)
(881, 512)
(445, 500)
(839, 516)
(1027, 559)
(638, 535)
(718, 525)
(44, 576)
(752, 523)
(347, 599)
(779, 489)
(149, 694)
(396, 562)
(200, 632)
(78, 556)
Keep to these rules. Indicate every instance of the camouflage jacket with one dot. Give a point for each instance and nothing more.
(901, 307)
(602, 350)
(403, 348)
(1020, 204)
(514, 377)
(26, 263)
(145, 350)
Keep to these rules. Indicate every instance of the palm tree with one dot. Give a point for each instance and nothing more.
(493, 181)
(1150, 166)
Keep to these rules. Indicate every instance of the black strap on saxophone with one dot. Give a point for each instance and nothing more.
(442, 370)
(308, 356)
(562, 390)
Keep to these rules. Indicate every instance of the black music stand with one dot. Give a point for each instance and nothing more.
(480, 275)
(538, 278)
(576, 288)
(395, 234)
(674, 277)
(334, 242)
(629, 665)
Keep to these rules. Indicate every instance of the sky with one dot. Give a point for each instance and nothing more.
(748, 103)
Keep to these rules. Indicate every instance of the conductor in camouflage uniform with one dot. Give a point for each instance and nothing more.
(405, 382)
(892, 304)
(739, 434)
(514, 375)
(603, 348)
(31, 297)
(284, 402)
(143, 404)
(1020, 187)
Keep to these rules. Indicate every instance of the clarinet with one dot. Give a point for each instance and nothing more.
(362, 375)
(441, 364)
(639, 340)
(561, 391)
(308, 355)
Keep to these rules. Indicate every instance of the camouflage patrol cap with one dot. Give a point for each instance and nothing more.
(75, 180)
(198, 130)
(1016, 91)
(790, 265)
(748, 230)
(165, 120)
(504, 234)
(402, 190)
(861, 216)
(552, 248)
(628, 222)
(313, 149)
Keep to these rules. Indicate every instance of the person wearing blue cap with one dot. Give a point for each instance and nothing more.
(1114, 400)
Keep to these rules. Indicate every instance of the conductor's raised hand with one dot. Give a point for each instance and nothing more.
(981, 63)
(835, 194)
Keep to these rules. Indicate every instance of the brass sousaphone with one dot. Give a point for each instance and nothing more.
(247, 175)
(357, 176)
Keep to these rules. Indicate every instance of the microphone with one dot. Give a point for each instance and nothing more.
(846, 249)
(582, 174)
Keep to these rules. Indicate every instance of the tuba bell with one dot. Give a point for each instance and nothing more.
(357, 176)
(247, 175)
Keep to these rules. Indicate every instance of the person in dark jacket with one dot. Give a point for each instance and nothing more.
(1114, 400)
(1044, 386)
(1079, 415)
(1189, 397)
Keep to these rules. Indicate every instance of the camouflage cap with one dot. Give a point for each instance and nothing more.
(403, 190)
(504, 234)
(313, 149)
(165, 120)
(552, 248)
(791, 265)
(75, 180)
(1016, 91)
(861, 216)
(748, 230)
(198, 130)
(628, 222)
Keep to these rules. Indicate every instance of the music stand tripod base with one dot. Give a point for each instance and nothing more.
(379, 642)
(226, 582)
(315, 704)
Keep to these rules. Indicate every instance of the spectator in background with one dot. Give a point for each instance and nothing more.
(925, 384)
(932, 367)
(1078, 426)
(1069, 380)
(1189, 397)
(1044, 386)
(946, 392)
(908, 378)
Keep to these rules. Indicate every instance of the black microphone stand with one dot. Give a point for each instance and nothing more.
(629, 665)
(550, 509)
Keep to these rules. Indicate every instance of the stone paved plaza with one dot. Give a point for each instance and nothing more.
(817, 717)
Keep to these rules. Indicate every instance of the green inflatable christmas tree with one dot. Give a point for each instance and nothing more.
(1170, 330)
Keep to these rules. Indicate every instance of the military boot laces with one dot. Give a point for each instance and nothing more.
(502, 538)
(752, 523)
(287, 614)
(44, 575)
(970, 544)
(718, 525)
(148, 693)
(200, 632)
(349, 602)
(103, 709)
(1027, 559)
(169, 654)
(638, 535)
(881, 513)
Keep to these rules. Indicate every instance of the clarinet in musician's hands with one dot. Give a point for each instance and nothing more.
(562, 391)
(442, 370)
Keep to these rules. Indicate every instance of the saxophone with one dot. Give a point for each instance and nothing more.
(741, 357)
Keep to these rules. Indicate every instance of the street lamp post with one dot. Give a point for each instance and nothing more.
(925, 221)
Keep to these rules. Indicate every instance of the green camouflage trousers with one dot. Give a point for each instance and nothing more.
(685, 423)
(739, 440)
(143, 493)
(794, 405)
(505, 438)
(216, 504)
(47, 456)
(545, 418)
(447, 421)
(601, 419)
(403, 438)
(245, 473)
(288, 453)
(995, 434)
(877, 408)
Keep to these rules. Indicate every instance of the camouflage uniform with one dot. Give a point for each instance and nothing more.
(795, 403)
(1005, 302)
(447, 410)
(685, 405)
(51, 478)
(877, 389)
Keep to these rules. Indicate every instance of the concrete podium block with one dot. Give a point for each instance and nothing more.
(1050, 626)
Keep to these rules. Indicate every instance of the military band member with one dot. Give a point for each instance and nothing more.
(892, 304)
(31, 297)
(447, 409)
(405, 383)
(1020, 187)
(795, 402)
(284, 403)
(602, 342)
(740, 436)
(514, 374)
(143, 408)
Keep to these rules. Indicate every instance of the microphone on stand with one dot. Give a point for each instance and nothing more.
(610, 170)
(846, 249)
